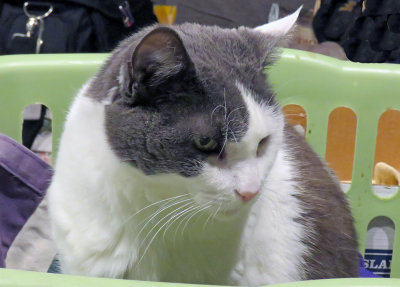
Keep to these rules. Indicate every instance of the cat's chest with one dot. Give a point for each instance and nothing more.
(172, 256)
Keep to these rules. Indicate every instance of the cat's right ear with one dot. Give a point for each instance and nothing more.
(281, 27)
(159, 56)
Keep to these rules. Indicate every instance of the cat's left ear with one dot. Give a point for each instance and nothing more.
(281, 27)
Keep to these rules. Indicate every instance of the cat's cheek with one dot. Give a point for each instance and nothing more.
(213, 183)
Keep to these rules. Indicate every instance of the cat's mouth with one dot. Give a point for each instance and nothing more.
(227, 213)
(226, 203)
(230, 210)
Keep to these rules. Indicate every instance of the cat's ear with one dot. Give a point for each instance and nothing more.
(159, 56)
(281, 27)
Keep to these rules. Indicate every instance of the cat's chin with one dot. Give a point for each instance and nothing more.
(228, 214)
(231, 212)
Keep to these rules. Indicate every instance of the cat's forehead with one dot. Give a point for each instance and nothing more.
(225, 49)
(224, 57)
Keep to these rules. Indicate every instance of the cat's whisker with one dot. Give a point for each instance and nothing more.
(166, 205)
(150, 205)
(212, 215)
(209, 217)
(167, 216)
(156, 214)
(186, 215)
(176, 217)
(218, 209)
(187, 222)
(183, 215)
(158, 231)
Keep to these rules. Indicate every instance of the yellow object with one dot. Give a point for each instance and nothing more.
(165, 14)
(385, 174)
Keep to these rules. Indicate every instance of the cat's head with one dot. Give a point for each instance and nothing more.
(193, 101)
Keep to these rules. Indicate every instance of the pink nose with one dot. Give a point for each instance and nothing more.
(246, 195)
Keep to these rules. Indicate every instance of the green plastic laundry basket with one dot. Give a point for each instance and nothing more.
(368, 89)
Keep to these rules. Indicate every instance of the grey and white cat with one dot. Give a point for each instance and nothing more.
(176, 165)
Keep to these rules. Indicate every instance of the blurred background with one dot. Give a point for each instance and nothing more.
(366, 31)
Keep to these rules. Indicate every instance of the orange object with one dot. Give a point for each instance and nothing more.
(165, 14)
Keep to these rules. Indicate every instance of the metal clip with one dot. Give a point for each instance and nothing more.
(33, 22)
(127, 17)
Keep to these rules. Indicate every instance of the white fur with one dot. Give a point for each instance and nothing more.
(94, 196)
(280, 27)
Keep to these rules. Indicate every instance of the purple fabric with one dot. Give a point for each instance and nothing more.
(364, 273)
(24, 179)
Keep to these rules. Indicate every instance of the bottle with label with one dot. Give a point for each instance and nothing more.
(379, 246)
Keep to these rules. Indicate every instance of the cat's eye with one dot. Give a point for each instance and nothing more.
(129, 95)
(262, 146)
(205, 143)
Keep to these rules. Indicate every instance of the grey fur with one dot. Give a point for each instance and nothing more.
(160, 140)
(327, 216)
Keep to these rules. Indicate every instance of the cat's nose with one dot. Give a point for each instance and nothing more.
(246, 195)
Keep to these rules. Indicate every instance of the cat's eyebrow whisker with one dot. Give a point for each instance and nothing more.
(226, 117)
(226, 109)
(229, 121)
(150, 205)
(234, 110)
(233, 135)
(215, 109)
(231, 131)
(225, 141)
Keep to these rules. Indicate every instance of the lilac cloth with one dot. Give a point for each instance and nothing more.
(24, 179)
(364, 273)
